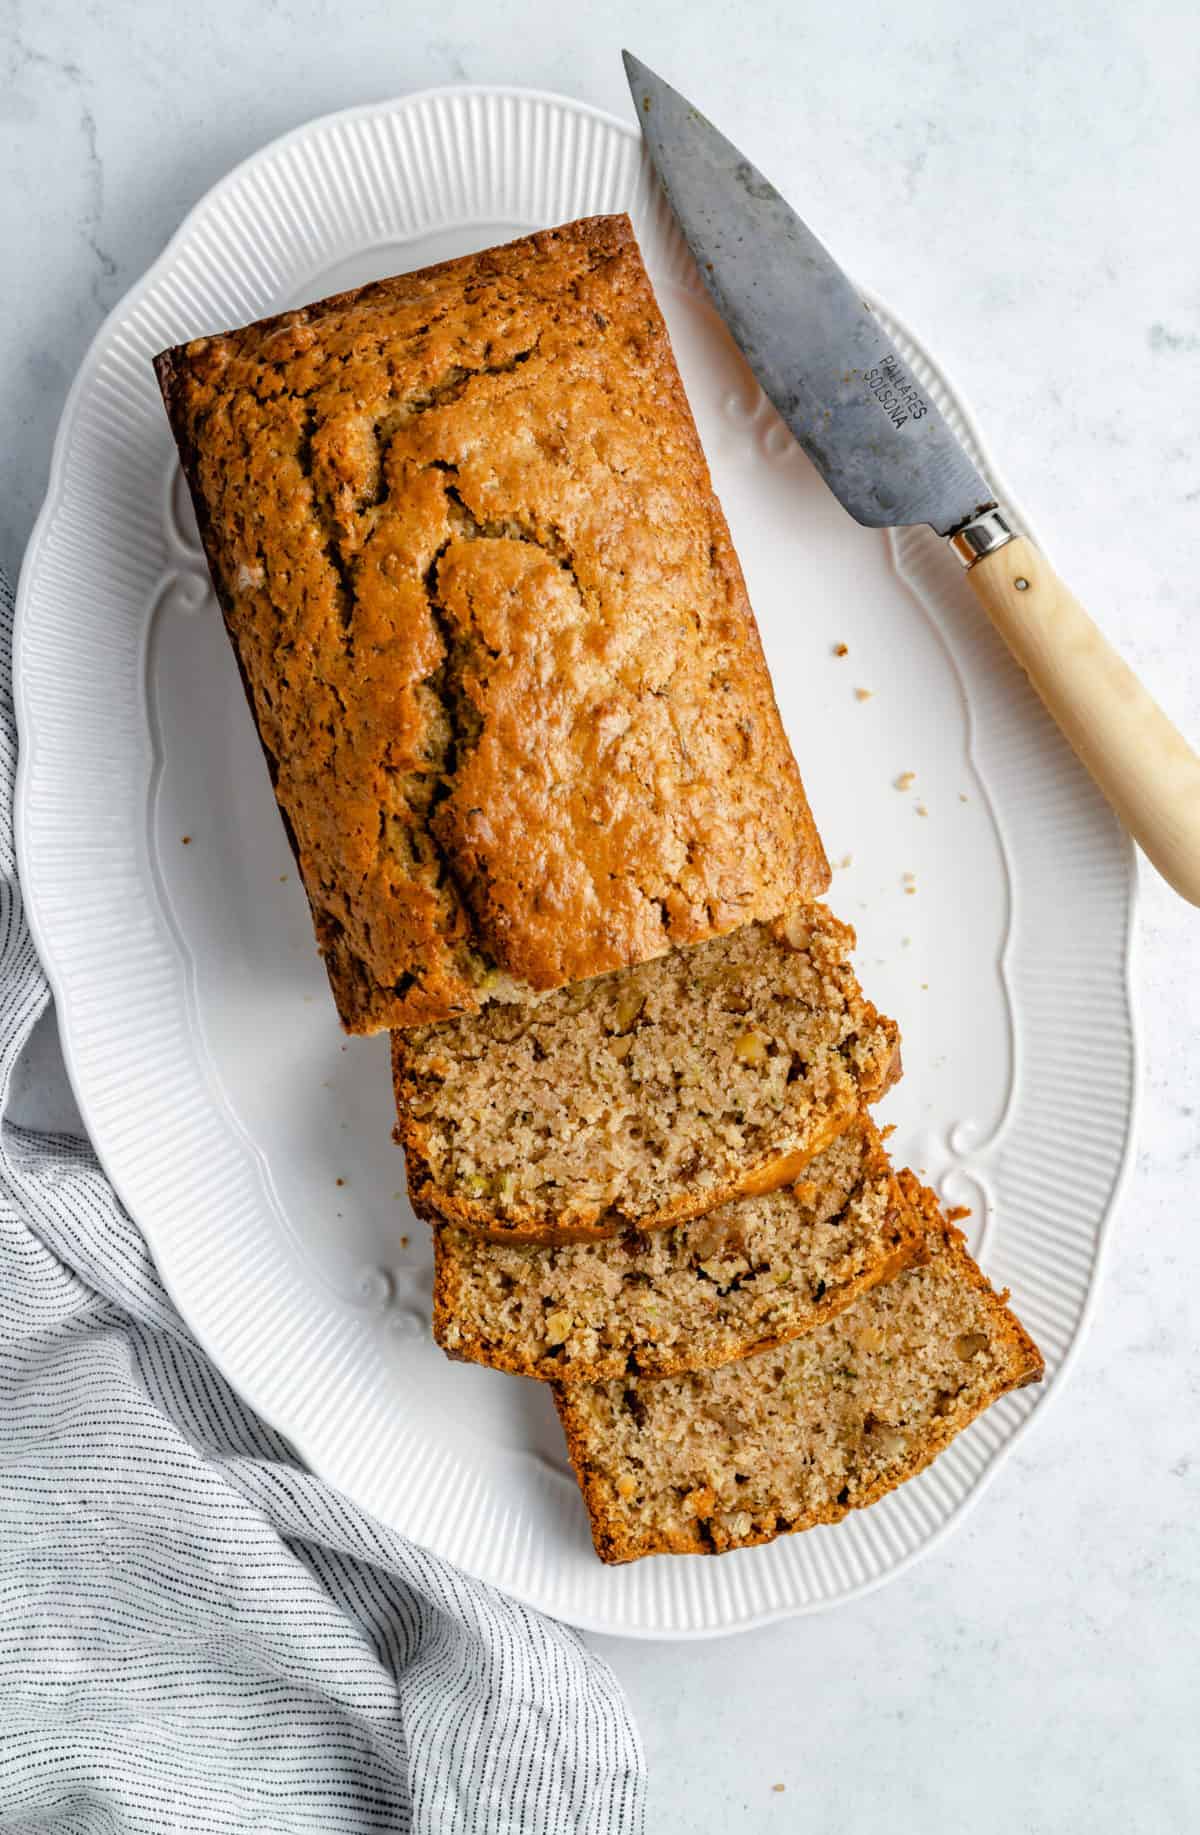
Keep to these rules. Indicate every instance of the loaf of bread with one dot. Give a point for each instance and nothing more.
(752, 1274)
(645, 1097)
(491, 626)
(800, 1435)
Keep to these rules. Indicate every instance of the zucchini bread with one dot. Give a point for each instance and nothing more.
(645, 1097)
(752, 1274)
(491, 627)
(800, 1435)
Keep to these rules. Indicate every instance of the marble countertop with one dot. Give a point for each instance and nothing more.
(1020, 190)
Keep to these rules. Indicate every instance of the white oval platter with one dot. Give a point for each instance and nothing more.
(993, 896)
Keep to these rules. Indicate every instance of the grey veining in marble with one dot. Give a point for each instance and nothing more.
(1019, 185)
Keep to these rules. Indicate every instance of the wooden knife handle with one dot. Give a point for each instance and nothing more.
(1144, 766)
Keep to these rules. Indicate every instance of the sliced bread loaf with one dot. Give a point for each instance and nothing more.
(800, 1435)
(753, 1273)
(648, 1096)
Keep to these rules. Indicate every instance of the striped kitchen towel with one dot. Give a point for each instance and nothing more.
(196, 1633)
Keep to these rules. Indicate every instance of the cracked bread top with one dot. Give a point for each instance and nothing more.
(491, 626)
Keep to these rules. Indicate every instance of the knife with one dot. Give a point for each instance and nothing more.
(885, 451)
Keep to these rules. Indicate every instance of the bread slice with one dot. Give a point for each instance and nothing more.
(752, 1274)
(801, 1435)
(645, 1097)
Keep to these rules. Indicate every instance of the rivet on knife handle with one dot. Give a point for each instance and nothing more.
(1141, 762)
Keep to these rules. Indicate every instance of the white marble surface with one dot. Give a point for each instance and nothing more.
(1020, 186)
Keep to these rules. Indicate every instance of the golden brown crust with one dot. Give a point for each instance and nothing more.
(618, 1540)
(898, 1244)
(491, 625)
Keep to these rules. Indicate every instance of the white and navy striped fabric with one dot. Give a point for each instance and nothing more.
(195, 1633)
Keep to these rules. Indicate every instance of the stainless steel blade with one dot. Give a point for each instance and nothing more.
(818, 350)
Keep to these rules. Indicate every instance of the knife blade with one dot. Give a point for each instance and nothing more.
(814, 344)
(825, 361)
